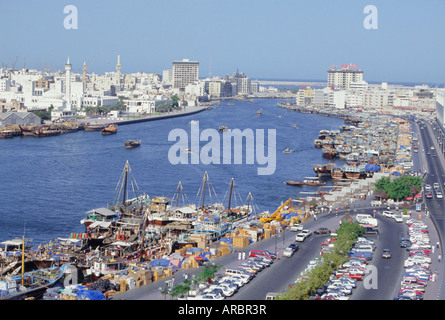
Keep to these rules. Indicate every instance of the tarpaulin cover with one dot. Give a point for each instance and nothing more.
(194, 250)
(90, 295)
(160, 263)
(372, 167)
(176, 263)
(289, 215)
(226, 240)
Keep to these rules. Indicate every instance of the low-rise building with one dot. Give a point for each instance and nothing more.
(19, 118)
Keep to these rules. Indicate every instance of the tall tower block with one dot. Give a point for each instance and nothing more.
(68, 84)
(118, 69)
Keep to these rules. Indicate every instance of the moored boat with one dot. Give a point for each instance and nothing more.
(46, 132)
(31, 284)
(329, 153)
(110, 129)
(93, 126)
(337, 173)
(313, 182)
(323, 170)
(354, 171)
(6, 134)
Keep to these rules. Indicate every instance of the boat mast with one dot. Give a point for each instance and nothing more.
(179, 190)
(23, 256)
(248, 202)
(204, 189)
(230, 195)
(125, 183)
(23, 260)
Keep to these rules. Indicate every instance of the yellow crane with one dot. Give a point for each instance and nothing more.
(277, 214)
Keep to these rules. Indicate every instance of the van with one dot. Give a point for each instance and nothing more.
(366, 219)
(237, 272)
(261, 253)
(363, 248)
(271, 295)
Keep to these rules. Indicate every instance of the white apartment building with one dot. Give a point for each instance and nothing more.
(144, 104)
(243, 85)
(377, 99)
(440, 106)
(185, 72)
(337, 99)
(342, 78)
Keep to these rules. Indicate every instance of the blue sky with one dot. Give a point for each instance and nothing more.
(282, 39)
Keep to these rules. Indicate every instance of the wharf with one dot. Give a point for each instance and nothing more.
(127, 120)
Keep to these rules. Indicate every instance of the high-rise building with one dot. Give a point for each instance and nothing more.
(341, 78)
(440, 107)
(185, 72)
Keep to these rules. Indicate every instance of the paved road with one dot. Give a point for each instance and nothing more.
(435, 173)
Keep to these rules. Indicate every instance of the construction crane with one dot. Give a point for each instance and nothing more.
(13, 65)
(277, 214)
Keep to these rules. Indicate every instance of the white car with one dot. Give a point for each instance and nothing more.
(398, 218)
(300, 237)
(296, 227)
(388, 214)
(306, 232)
(288, 252)
(225, 289)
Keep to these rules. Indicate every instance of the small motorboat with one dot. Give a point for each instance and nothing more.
(6, 134)
(294, 183)
(132, 143)
(287, 150)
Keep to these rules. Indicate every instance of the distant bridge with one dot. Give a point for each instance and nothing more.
(292, 83)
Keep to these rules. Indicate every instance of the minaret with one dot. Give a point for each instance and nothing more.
(84, 75)
(118, 69)
(68, 84)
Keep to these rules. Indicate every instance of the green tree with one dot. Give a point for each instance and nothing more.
(175, 101)
(400, 187)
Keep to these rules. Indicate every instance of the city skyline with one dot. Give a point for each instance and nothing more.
(285, 40)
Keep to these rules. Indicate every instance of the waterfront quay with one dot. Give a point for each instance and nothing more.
(123, 120)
